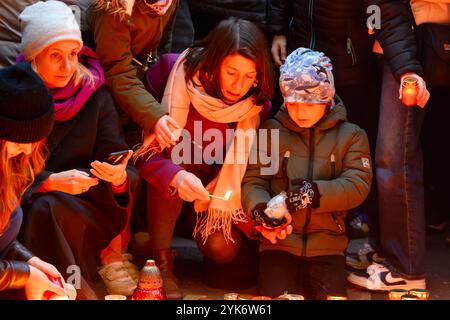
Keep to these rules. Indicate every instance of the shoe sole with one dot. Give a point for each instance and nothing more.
(359, 283)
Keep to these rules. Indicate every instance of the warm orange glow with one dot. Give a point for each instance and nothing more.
(336, 298)
(261, 298)
(409, 297)
(420, 293)
(231, 296)
(397, 294)
(409, 91)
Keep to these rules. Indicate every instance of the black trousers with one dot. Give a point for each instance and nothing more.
(315, 278)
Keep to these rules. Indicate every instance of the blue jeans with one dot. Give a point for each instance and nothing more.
(399, 174)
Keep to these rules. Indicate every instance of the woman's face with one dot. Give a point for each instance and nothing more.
(237, 76)
(13, 149)
(305, 115)
(57, 63)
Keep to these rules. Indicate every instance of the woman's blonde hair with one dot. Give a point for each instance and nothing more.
(16, 175)
(112, 6)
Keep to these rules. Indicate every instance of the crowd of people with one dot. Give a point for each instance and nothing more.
(118, 116)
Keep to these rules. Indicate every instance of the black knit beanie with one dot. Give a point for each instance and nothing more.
(26, 105)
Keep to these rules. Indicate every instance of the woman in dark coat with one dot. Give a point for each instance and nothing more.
(78, 204)
(22, 131)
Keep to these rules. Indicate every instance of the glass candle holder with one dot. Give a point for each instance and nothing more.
(397, 294)
(410, 89)
(422, 294)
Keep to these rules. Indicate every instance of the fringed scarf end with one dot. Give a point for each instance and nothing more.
(212, 220)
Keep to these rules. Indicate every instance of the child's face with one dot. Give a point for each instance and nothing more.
(305, 115)
(237, 75)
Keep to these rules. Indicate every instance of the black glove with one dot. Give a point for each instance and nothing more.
(262, 219)
(303, 194)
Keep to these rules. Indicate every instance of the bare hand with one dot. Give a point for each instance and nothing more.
(163, 131)
(72, 182)
(279, 49)
(423, 94)
(275, 234)
(189, 187)
(38, 283)
(45, 267)
(116, 174)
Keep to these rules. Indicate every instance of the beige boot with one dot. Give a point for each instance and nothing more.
(164, 261)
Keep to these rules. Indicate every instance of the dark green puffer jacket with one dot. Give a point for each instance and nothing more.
(335, 155)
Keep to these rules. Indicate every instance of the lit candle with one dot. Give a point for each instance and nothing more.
(231, 296)
(261, 298)
(336, 298)
(115, 297)
(420, 293)
(409, 91)
(409, 297)
(397, 294)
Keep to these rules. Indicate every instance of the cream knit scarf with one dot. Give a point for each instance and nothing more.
(179, 96)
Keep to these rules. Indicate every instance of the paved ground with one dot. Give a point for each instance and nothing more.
(189, 270)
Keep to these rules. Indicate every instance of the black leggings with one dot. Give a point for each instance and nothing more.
(314, 278)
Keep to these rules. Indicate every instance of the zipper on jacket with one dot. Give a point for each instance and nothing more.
(312, 42)
(351, 51)
(284, 164)
(333, 175)
(333, 166)
(310, 178)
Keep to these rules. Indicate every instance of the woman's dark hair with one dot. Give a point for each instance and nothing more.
(229, 37)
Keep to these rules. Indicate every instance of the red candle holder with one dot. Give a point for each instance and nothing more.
(410, 89)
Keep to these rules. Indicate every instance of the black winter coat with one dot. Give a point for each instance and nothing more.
(337, 28)
(397, 37)
(14, 271)
(65, 229)
(252, 10)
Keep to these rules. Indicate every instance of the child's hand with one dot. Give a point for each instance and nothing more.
(303, 194)
(279, 233)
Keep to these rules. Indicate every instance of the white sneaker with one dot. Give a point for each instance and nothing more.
(117, 279)
(379, 278)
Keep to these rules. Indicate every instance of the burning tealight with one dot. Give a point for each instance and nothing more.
(422, 294)
(336, 298)
(115, 297)
(397, 294)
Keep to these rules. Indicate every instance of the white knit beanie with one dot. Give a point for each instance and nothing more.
(44, 23)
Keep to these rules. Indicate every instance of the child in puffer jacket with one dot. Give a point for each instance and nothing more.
(324, 170)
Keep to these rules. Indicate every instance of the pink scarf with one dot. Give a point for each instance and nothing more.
(70, 99)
